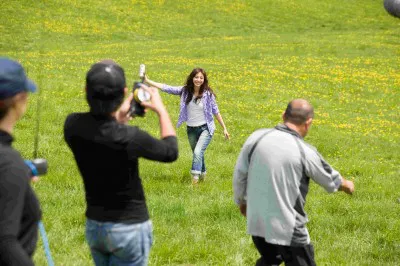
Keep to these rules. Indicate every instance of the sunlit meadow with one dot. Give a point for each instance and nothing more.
(342, 56)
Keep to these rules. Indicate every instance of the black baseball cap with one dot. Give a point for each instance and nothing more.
(105, 84)
(13, 79)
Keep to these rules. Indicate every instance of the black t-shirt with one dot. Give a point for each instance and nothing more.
(107, 153)
(19, 207)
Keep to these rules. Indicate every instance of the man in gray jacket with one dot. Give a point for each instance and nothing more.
(271, 180)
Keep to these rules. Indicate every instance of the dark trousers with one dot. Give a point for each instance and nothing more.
(275, 254)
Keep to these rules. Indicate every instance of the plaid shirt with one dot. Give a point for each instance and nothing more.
(210, 106)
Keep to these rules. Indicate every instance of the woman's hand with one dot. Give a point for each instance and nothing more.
(226, 134)
(145, 79)
(152, 83)
(221, 122)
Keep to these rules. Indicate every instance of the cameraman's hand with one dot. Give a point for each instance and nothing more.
(122, 114)
(155, 103)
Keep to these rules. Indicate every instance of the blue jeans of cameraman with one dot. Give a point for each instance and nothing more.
(118, 243)
(199, 138)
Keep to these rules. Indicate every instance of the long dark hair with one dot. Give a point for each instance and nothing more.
(189, 87)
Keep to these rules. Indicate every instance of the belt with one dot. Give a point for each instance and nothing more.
(198, 126)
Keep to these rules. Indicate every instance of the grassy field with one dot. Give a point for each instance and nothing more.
(343, 56)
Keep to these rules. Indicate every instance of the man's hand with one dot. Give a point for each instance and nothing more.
(243, 208)
(155, 102)
(122, 114)
(347, 186)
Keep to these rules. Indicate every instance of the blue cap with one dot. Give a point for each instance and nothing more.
(13, 79)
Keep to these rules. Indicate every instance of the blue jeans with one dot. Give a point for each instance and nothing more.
(118, 243)
(199, 138)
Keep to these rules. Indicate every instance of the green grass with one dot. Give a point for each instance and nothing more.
(343, 56)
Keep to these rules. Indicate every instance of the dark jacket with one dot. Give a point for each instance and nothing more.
(19, 207)
(107, 154)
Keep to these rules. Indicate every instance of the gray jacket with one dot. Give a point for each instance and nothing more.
(274, 183)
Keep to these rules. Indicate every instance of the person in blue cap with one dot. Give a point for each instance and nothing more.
(19, 207)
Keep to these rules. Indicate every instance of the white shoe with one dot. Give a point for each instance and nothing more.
(195, 180)
(203, 176)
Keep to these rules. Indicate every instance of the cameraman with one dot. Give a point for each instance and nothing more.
(106, 150)
(19, 207)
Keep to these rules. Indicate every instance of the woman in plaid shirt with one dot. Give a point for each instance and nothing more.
(198, 107)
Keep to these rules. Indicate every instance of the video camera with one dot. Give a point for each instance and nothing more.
(139, 95)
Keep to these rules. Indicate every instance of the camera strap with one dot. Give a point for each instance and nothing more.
(302, 153)
(42, 231)
(45, 244)
(256, 143)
